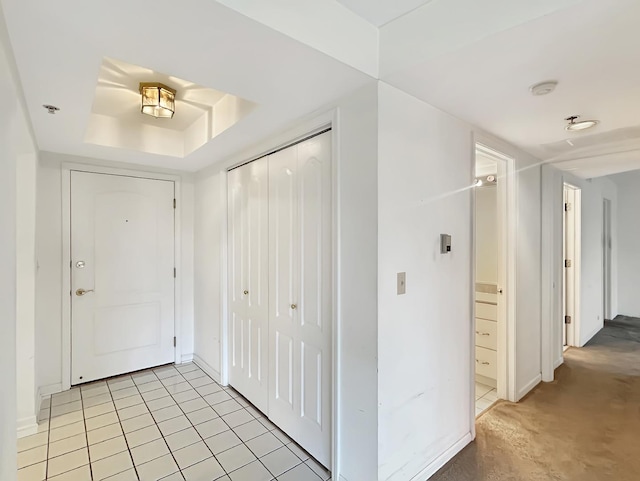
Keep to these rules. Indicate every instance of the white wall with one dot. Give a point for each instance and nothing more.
(26, 290)
(355, 130)
(628, 233)
(425, 175)
(487, 234)
(49, 258)
(590, 319)
(16, 313)
(424, 343)
(210, 216)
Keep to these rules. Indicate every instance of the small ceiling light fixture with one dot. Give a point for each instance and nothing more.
(52, 109)
(543, 88)
(158, 100)
(574, 126)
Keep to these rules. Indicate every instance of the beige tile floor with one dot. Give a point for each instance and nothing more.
(172, 423)
(485, 397)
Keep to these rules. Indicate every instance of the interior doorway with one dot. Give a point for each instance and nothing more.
(571, 252)
(606, 258)
(492, 267)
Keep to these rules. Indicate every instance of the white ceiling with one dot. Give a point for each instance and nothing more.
(380, 12)
(475, 60)
(590, 47)
(59, 47)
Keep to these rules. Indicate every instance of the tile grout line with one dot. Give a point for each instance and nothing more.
(126, 441)
(86, 433)
(144, 401)
(46, 466)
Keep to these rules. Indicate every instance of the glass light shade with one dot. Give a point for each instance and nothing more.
(158, 100)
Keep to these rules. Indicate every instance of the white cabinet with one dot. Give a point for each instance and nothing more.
(487, 335)
(291, 380)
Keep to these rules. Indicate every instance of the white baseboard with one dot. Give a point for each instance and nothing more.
(558, 363)
(591, 334)
(529, 386)
(186, 358)
(45, 392)
(27, 426)
(215, 375)
(441, 460)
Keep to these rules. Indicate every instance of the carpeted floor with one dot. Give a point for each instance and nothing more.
(584, 426)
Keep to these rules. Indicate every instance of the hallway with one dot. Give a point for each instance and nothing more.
(583, 426)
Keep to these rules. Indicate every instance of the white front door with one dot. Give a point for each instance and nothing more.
(122, 274)
(249, 281)
(300, 305)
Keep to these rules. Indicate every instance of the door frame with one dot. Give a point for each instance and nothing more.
(66, 168)
(329, 120)
(506, 342)
(607, 255)
(573, 339)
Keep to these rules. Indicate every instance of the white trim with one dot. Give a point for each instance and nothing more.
(65, 169)
(529, 386)
(441, 460)
(328, 119)
(26, 426)
(202, 364)
(591, 334)
(548, 288)
(506, 351)
(224, 281)
(557, 363)
(45, 392)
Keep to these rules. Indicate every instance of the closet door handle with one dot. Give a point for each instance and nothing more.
(246, 293)
(483, 333)
(294, 306)
(484, 363)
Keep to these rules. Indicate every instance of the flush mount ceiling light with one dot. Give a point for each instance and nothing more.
(158, 100)
(543, 88)
(574, 126)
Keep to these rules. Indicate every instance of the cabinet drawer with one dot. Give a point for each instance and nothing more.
(487, 334)
(487, 311)
(486, 364)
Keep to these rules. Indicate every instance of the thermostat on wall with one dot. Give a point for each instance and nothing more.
(445, 243)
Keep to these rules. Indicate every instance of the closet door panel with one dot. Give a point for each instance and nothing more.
(301, 307)
(284, 252)
(314, 335)
(237, 197)
(248, 282)
(257, 283)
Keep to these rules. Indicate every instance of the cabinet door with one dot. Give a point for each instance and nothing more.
(301, 290)
(248, 281)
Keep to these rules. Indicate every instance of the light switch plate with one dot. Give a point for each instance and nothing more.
(402, 283)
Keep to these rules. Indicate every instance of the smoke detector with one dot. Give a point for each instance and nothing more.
(574, 126)
(52, 109)
(543, 88)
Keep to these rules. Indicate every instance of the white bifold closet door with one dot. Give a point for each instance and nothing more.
(249, 281)
(300, 305)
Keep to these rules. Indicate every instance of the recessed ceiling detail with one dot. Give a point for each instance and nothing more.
(201, 113)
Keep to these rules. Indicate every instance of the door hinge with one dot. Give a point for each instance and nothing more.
(567, 263)
(174, 203)
(567, 206)
(567, 319)
(174, 341)
(174, 272)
